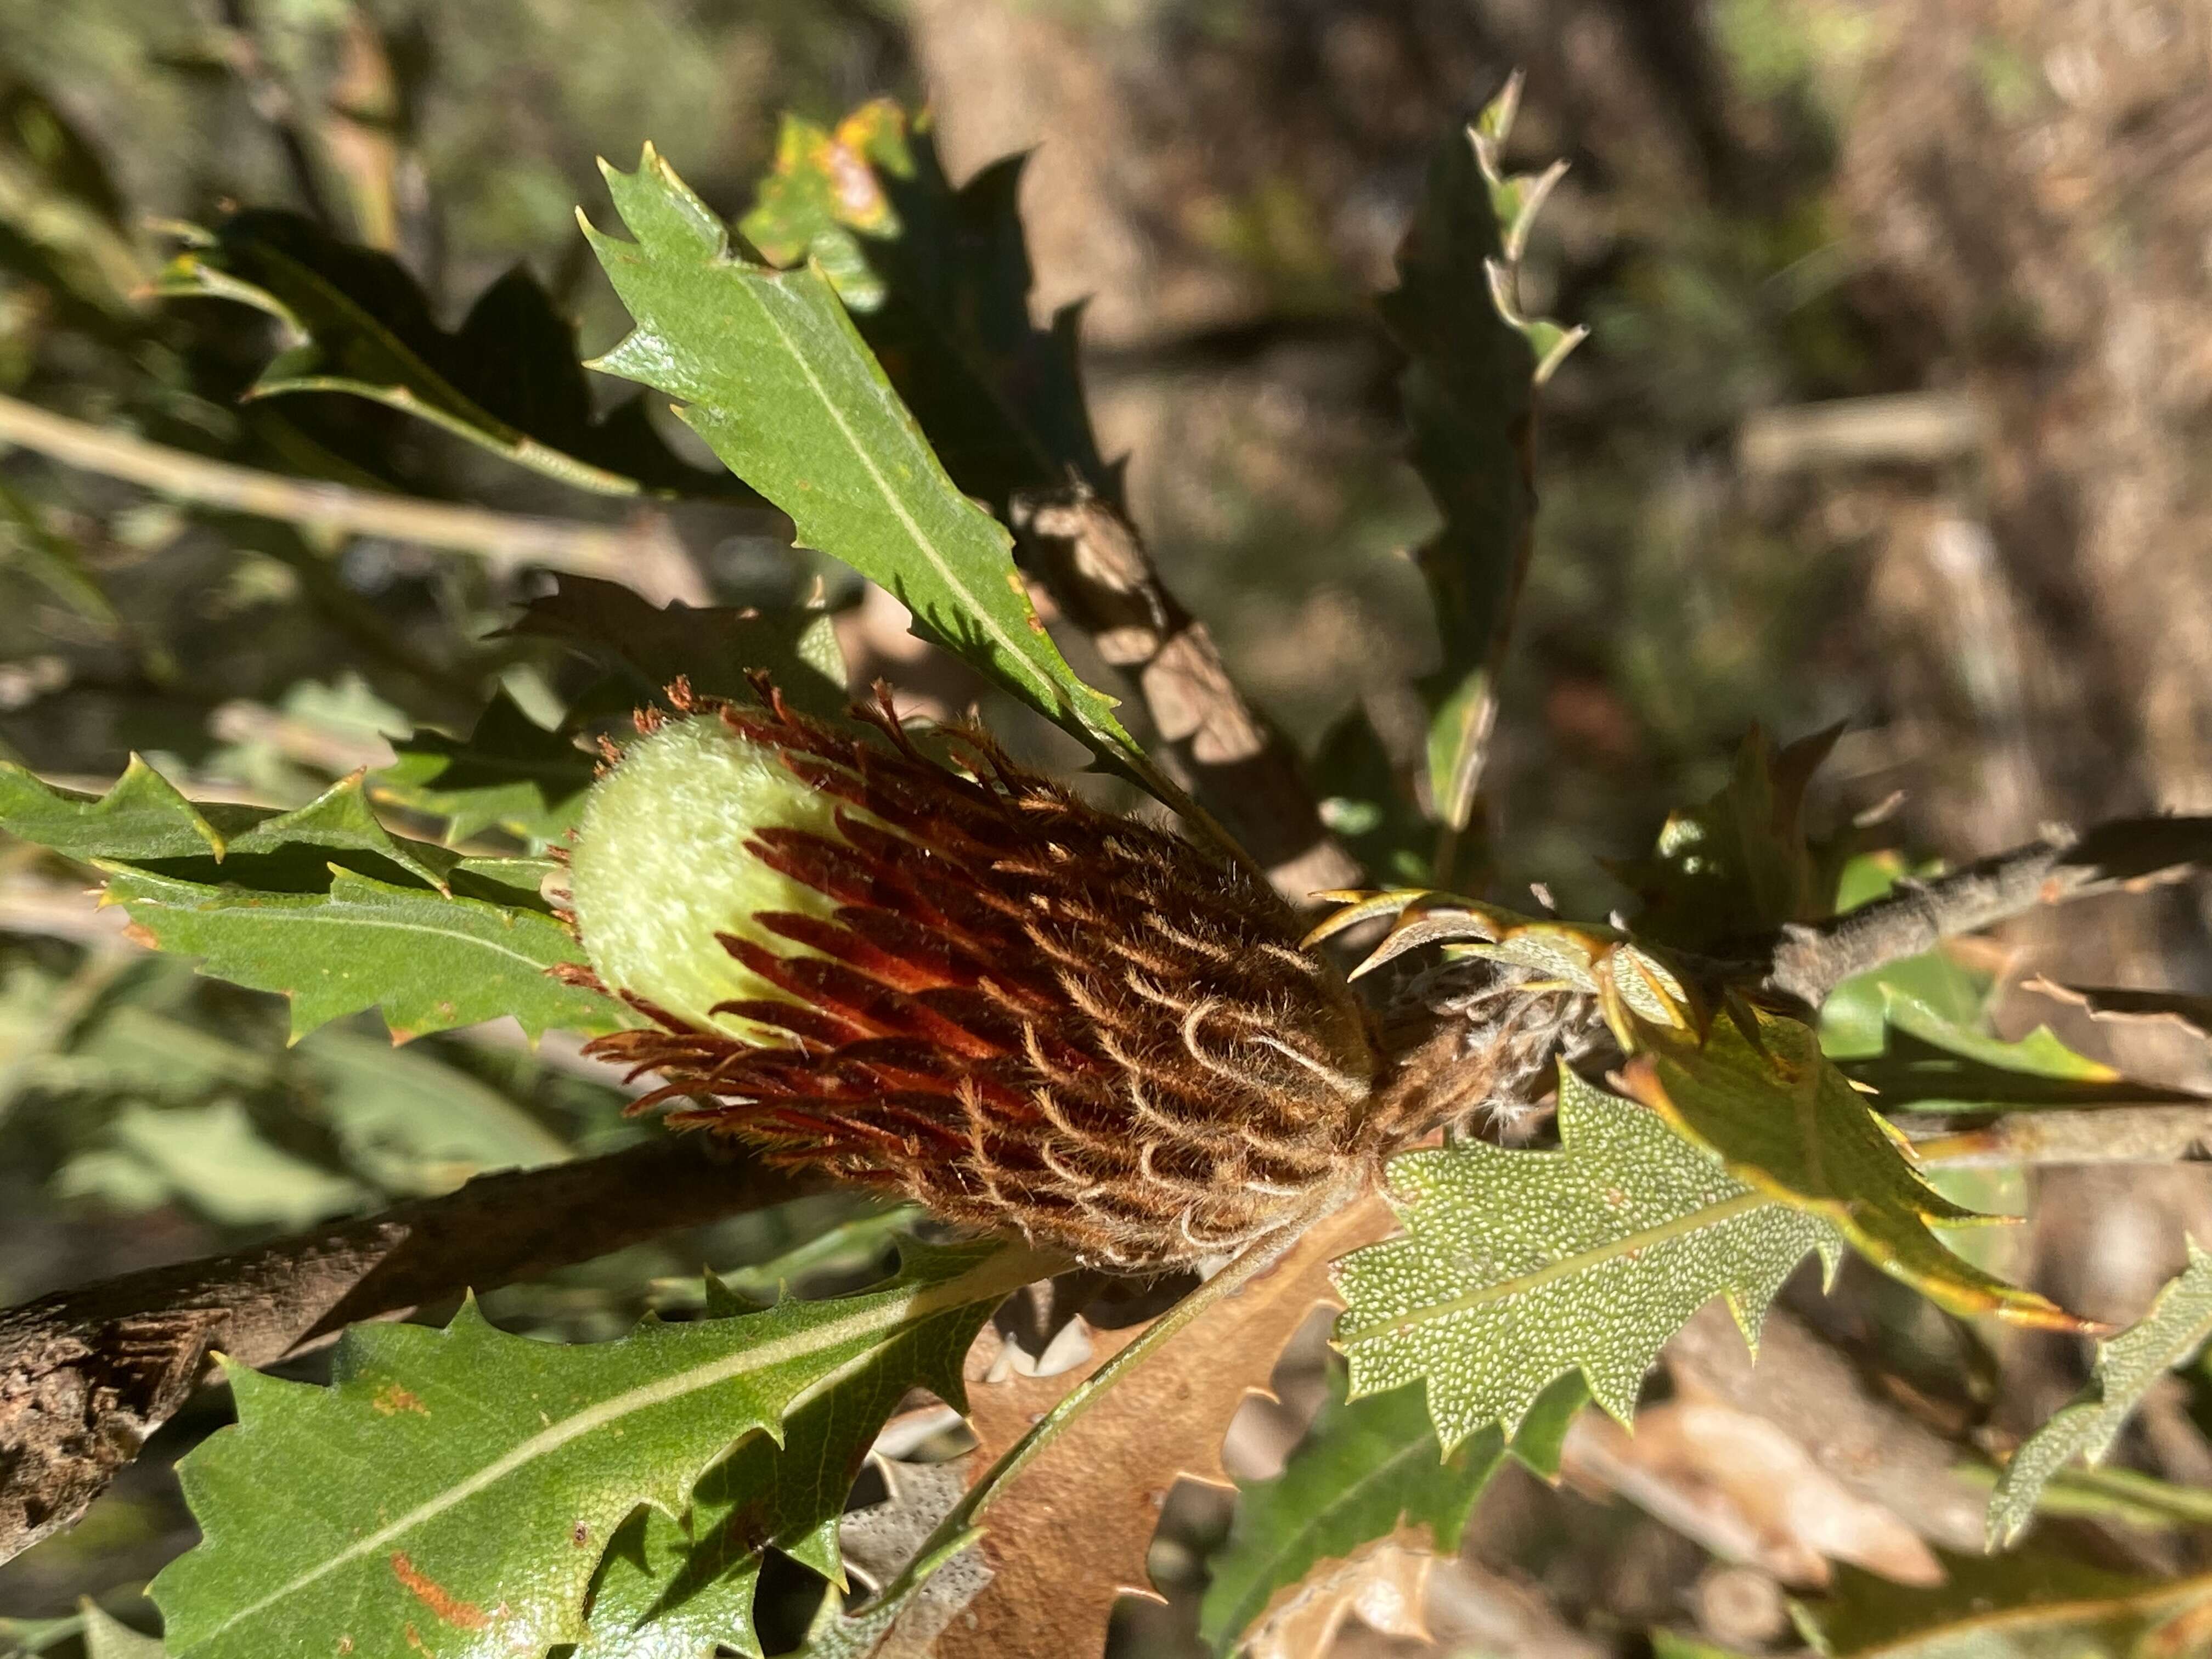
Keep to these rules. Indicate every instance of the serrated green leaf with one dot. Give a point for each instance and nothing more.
(1363, 1467)
(1468, 392)
(2176, 1327)
(142, 817)
(1519, 1267)
(2015, 1606)
(337, 821)
(778, 381)
(509, 773)
(452, 1493)
(430, 962)
(507, 381)
(1758, 1093)
(671, 1591)
(714, 647)
(937, 281)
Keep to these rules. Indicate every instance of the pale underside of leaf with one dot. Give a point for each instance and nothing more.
(2176, 1327)
(1519, 1267)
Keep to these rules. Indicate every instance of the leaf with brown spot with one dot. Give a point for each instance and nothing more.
(1069, 1536)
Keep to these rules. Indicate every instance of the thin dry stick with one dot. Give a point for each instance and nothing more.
(87, 1375)
(643, 553)
(1238, 767)
(1810, 960)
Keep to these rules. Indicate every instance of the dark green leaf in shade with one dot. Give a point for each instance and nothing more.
(777, 380)
(507, 380)
(1363, 1469)
(509, 774)
(1468, 390)
(428, 960)
(452, 1493)
(1740, 866)
(712, 647)
(671, 1591)
(2009, 1606)
(1756, 1090)
(1518, 1268)
(937, 281)
(143, 817)
(2127, 1364)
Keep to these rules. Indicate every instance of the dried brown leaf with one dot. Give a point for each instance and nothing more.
(1746, 1490)
(1069, 1538)
(1383, 1585)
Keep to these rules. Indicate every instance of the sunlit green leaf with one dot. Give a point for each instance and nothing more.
(777, 380)
(428, 961)
(1519, 1267)
(937, 281)
(1757, 1092)
(454, 1490)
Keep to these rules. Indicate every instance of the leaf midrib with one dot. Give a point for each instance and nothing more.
(975, 607)
(317, 906)
(1681, 1226)
(991, 1277)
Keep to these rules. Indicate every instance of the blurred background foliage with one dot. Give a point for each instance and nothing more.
(1892, 413)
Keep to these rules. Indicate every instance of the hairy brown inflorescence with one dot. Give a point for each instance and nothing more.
(1022, 1013)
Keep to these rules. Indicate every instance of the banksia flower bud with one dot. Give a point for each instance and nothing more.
(976, 990)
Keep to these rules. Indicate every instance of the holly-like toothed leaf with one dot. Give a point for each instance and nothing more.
(429, 961)
(452, 1492)
(1756, 1091)
(2127, 1364)
(1473, 364)
(777, 380)
(321, 904)
(1518, 1268)
(1365, 1467)
(2009, 1606)
(507, 380)
(509, 774)
(1739, 865)
(712, 647)
(144, 820)
(937, 281)
(142, 817)
(671, 1589)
